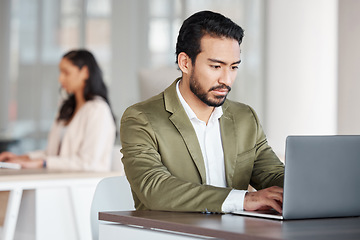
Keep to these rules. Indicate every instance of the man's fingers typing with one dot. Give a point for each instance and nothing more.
(264, 199)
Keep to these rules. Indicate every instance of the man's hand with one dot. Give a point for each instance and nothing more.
(265, 199)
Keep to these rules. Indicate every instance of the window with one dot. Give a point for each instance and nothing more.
(125, 36)
(41, 32)
(165, 20)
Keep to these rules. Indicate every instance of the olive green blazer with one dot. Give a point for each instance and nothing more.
(163, 160)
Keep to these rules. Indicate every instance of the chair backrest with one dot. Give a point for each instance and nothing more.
(111, 194)
(116, 164)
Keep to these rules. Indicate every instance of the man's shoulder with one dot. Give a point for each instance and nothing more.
(240, 111)
(151, 105)
(157, 104)
(236, 107)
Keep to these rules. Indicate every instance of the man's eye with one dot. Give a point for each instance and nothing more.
(215, 66)
(235, 67)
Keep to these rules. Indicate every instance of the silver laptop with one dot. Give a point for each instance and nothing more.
(322, 178)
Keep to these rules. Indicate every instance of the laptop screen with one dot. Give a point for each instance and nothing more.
(322, 176)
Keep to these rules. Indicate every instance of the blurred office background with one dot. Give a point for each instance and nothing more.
(300, 59)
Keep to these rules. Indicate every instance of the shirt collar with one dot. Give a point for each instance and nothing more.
(216, 114)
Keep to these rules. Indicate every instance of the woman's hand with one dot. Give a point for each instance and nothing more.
(25, 161)
(5, 156)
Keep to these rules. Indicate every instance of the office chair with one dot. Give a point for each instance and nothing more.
(111, 194)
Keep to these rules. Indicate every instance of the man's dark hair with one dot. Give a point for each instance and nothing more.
(205, 23)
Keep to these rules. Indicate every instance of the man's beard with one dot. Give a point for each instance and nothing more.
(204, 95)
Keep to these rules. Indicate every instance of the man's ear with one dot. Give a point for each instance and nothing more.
(184, 62)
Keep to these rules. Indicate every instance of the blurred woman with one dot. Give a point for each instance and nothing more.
(82, 137)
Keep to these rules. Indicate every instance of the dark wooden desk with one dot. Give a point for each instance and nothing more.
(229, 226)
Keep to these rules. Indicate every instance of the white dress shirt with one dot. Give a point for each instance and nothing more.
(209, 137)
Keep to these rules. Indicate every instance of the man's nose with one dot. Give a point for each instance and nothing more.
(226, 77)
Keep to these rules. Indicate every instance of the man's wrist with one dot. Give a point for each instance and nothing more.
(234, 201)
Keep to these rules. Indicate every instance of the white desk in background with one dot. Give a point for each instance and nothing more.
(45, 204)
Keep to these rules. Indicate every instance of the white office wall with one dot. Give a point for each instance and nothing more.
(349, 67)
(5, 10)
(301, 69)
(129, 52)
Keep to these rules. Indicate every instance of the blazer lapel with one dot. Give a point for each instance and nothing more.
(228, 137)
(181, 121)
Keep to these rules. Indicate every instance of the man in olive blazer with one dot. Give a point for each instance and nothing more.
(164, 164)
(190, 149)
